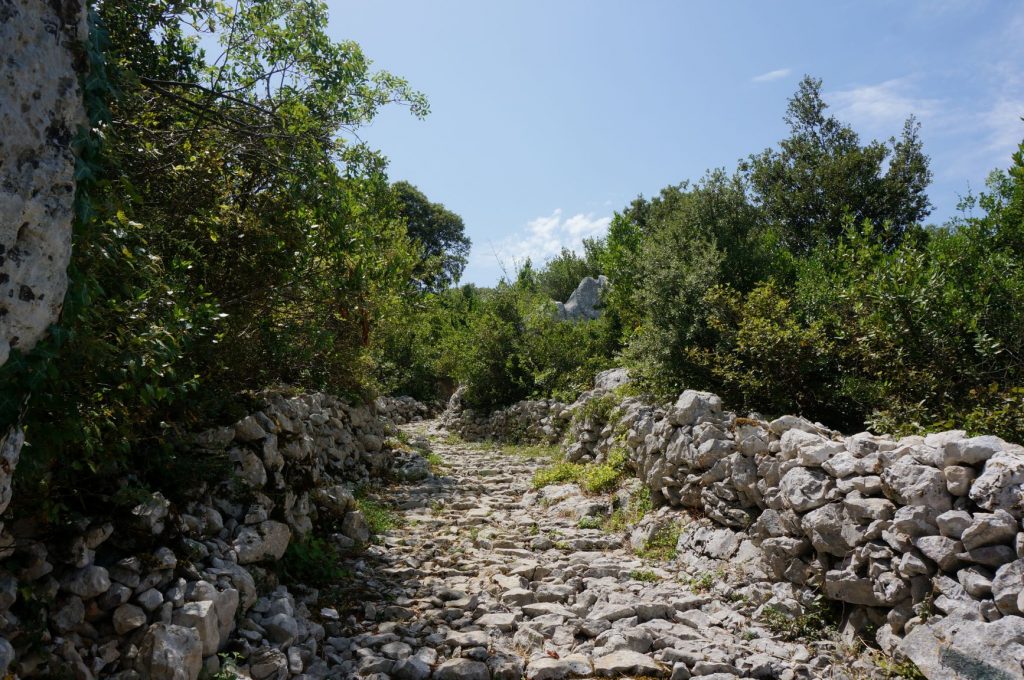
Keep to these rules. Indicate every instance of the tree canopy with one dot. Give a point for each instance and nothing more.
(439, 232)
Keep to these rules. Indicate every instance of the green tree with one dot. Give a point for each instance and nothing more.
(440, 234)
(822, 173)
(231, 234)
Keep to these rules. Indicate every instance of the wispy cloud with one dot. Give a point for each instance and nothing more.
(545, 236)
(772, 75)
(883, 105)
(1005, 127)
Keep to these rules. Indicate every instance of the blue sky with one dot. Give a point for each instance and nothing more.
(549, 116)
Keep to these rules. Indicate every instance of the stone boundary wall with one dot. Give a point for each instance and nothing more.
(401, 410)
(158, 596)
(919, 537)
(541, 421)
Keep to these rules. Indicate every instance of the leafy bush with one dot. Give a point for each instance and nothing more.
(594, 478)
(227, 238)
(313, 561)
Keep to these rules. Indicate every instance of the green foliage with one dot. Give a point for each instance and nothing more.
(379, 517)
(590, 523)
(560, 275)
(230, 234)
(645, 575)
(533, 451)
(897, 669)
(439, 232)
(636, 509)
(822, 175)
(313, 561)
(558, 473)
(514, 347)
(704, 582)
(594, 478)
(819, 621)
(804, 284)
(662, 544)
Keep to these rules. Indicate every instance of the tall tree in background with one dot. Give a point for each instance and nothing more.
(822, 174)
(439, 232)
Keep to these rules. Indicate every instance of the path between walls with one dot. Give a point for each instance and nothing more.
(486, 578)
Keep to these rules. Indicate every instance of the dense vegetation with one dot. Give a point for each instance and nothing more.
(804, 282)
(234, 234)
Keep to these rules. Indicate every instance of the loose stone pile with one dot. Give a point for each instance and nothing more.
(160, 595)
(905, 531)
(537, 421)
(401, 410)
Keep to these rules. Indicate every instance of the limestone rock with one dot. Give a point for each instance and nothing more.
(170, 652)
(999, 485)
(626, 662)
(954, 648)
(268, 540)
(584, 301)
(40, 113)
(462, 669)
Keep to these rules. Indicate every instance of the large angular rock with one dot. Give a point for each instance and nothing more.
(584, 301)
(804, 489)
(462, 669)
(1007, 586)
(971, 451)
(626, 662)
(87, 582)
(954, 648)
(268, 540)
(170, 652)
(127, 618)
(692, 405)
(831, 531)
(999, 486)
(989, 529)
(907, 483)
(202, 617)
(10, 452)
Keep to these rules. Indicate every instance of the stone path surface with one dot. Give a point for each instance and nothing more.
(488, 579)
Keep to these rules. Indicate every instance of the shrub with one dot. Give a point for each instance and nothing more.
(313, 561)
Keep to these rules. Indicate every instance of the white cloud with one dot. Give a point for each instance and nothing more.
(772, 75)
(1004, 124)
(545, 236)
(884, 105)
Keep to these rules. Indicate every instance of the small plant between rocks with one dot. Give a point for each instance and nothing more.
(645, 575)
(662, 545)
(819, 621)
(594, 478)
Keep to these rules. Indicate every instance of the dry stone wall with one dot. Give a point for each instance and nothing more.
(405, 409)
(537, 421)
(157, 597)
(920, 537)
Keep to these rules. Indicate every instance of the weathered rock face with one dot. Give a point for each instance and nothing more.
(40, 112)
(584, 301)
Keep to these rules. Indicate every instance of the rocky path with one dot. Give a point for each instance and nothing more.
(488, 579)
